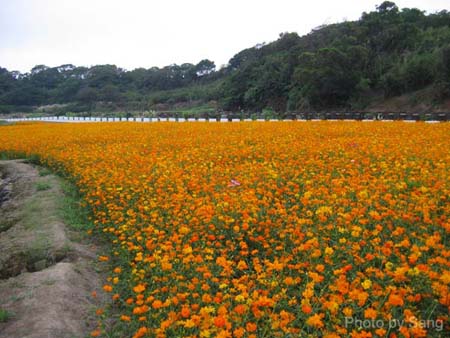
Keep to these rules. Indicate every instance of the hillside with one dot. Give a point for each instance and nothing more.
(390, 59)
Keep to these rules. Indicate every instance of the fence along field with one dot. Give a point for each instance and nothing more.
(230, 117)
(262, 229)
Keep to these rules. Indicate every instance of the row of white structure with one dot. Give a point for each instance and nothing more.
(77, 119)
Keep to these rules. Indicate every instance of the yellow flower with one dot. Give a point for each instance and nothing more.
(389, 266)
(187, 250)
(189, 323)
(324, 210)
(414, 271)
(239, 298)
(328, 251)
(205, 333)
(367, 284)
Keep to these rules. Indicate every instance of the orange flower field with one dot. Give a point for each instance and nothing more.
(270, 229)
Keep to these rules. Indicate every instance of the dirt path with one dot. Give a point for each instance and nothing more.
(46, 274)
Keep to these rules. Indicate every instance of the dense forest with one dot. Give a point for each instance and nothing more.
(387, 53)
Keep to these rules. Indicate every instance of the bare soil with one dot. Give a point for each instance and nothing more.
(47, 273)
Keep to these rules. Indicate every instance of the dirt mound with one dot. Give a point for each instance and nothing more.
(46, 278)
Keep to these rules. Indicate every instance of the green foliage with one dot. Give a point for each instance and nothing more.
(4, 315)
(74, 213)
(42, 186)
(342, 65)
(326, 78)
(44, 171)
(200, 92)
(102, 87)
(10, 155)
(268, 113)
(197, 110)
(419, 71)
(414, 72)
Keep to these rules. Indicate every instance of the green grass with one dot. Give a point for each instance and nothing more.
(38, 211)
(6, 123)
(4, 315)
(197, 110)
(198, 92)
(74, 214)
(42, 186)
(6, 224)
(34, 159)
(44, 171)
(39, 251)
(11, 155)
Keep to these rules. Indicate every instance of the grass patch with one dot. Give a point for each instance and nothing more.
(42, 186)
(197, 110)
(4, 315)
(34, 159)
(41, 254)
(36, 213)
(44, 171)
(32, 214)
(11, 155)
(6, 224)
(6, 155)
(75, 215)
(39, 250)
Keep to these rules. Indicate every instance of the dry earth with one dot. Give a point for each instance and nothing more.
(47, 270)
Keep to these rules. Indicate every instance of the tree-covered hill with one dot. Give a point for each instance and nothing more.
(386, 54)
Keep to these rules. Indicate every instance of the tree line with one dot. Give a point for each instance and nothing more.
(106, 87)
(387, 52)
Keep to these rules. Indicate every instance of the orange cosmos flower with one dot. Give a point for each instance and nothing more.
(315, 321)
(395, 300)
(219, 321)
(240, 309)
(96, 333)
(250, 327)
(370, 313)
(125, 318)
(185, 312)
(239, 332)
(141, 332)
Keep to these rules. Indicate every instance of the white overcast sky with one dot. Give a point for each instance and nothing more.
(146, 33)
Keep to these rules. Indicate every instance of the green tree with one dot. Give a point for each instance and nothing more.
(325, 78)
